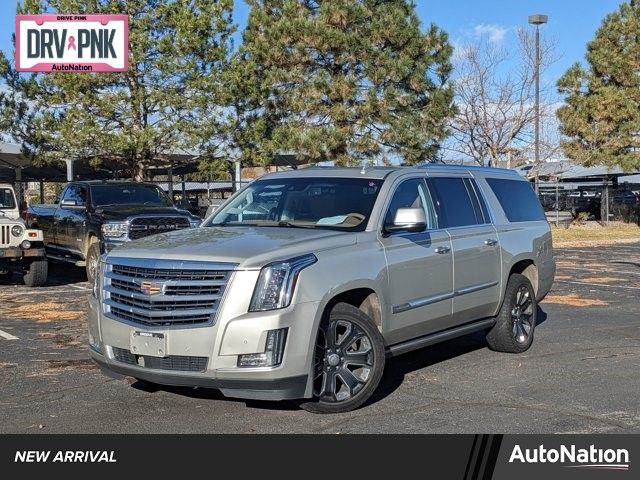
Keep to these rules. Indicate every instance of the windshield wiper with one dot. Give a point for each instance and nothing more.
(234, 224)
(285, 223)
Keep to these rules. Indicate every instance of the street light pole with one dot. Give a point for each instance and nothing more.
(537, 20)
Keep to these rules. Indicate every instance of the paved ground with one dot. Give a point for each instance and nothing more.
(581, 375)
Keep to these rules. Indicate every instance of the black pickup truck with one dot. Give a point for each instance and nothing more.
(92, 217)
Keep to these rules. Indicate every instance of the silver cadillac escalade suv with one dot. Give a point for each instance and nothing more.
(304, 282)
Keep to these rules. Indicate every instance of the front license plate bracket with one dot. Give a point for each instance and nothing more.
(148, 343)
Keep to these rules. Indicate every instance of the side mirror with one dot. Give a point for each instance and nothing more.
(70, 203)
(408, 220)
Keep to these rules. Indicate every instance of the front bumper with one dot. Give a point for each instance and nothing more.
(19, 253)
(235, 332)
(272, 389)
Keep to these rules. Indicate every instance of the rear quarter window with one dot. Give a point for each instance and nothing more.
(517, 199)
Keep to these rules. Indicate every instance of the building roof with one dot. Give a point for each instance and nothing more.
(568, 170)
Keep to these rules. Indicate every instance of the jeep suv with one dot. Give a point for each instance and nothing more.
(303, 283)
(21, 249)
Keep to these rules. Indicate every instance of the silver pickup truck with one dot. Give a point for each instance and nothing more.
(304, 282)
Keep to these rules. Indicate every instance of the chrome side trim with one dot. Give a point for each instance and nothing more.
(475, 288)
(421, 302)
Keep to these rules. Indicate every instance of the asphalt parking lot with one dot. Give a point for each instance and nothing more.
(581, 374)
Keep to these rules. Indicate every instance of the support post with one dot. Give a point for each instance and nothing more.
(606, 200)
(41, 191)
(170, 180)
(557, 206)
(69, 163)
(18, 186)
(238, 183)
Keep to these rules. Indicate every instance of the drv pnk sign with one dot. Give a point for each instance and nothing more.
(72, 43)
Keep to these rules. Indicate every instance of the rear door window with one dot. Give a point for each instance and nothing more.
(517, 199)
(453, 202)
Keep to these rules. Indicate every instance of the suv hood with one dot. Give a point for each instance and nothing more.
(250, 247)
(121, 212)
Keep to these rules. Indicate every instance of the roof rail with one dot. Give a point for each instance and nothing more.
(467, 168)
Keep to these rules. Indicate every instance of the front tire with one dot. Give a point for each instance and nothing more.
(93, 257)
(348, 362)
(516, 321)
(6, 275)
(36, 275)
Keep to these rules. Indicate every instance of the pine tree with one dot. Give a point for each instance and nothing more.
(342, 80)
(178, 50)
(601, 117)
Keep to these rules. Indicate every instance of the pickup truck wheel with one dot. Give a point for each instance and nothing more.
(93, 257)
(5, 275)
(36, 274)
(348, 362)
(516, 321)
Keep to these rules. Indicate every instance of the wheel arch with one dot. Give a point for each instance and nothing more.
(92, 237)
(364, 298)
(527, 267)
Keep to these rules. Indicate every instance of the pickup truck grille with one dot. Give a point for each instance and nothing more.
(158, 296)
(5, 235)
(145, 226)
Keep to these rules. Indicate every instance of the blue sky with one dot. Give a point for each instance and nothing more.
(572, 22)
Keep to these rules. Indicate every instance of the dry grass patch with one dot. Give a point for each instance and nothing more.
(55, 367)
(44, 312)
(592, 233)
(574, 301)
(563, 277)
(600, 279)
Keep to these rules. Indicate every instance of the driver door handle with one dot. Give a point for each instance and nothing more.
(442, 250)
(490, 242)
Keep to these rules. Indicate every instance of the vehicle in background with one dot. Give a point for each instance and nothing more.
(625, 197)
(21, 249)
(301, 284)
(95, 216)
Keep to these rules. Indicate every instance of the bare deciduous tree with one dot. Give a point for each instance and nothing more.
(495, 96)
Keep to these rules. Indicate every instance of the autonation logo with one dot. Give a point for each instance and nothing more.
(574, 457)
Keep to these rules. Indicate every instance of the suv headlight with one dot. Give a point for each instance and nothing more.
(97, 279)
(115, 229)
(17, 230)
(277, 282)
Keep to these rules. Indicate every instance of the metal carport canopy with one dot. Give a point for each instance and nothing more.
(15, 167)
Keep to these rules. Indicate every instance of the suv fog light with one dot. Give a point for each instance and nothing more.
(26, 244)
(273, 352)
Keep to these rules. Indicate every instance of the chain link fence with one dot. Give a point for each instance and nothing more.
(603, 204)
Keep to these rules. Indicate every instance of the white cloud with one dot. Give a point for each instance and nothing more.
(496, 33)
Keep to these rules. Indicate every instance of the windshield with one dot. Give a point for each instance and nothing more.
(7, 202)
(102, 195)
(328, 203)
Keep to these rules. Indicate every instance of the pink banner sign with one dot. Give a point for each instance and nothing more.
(72, 43)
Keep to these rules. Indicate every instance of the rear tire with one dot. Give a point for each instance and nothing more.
(516, 321)
(348, 362)
(93, 257)
(36, 275)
